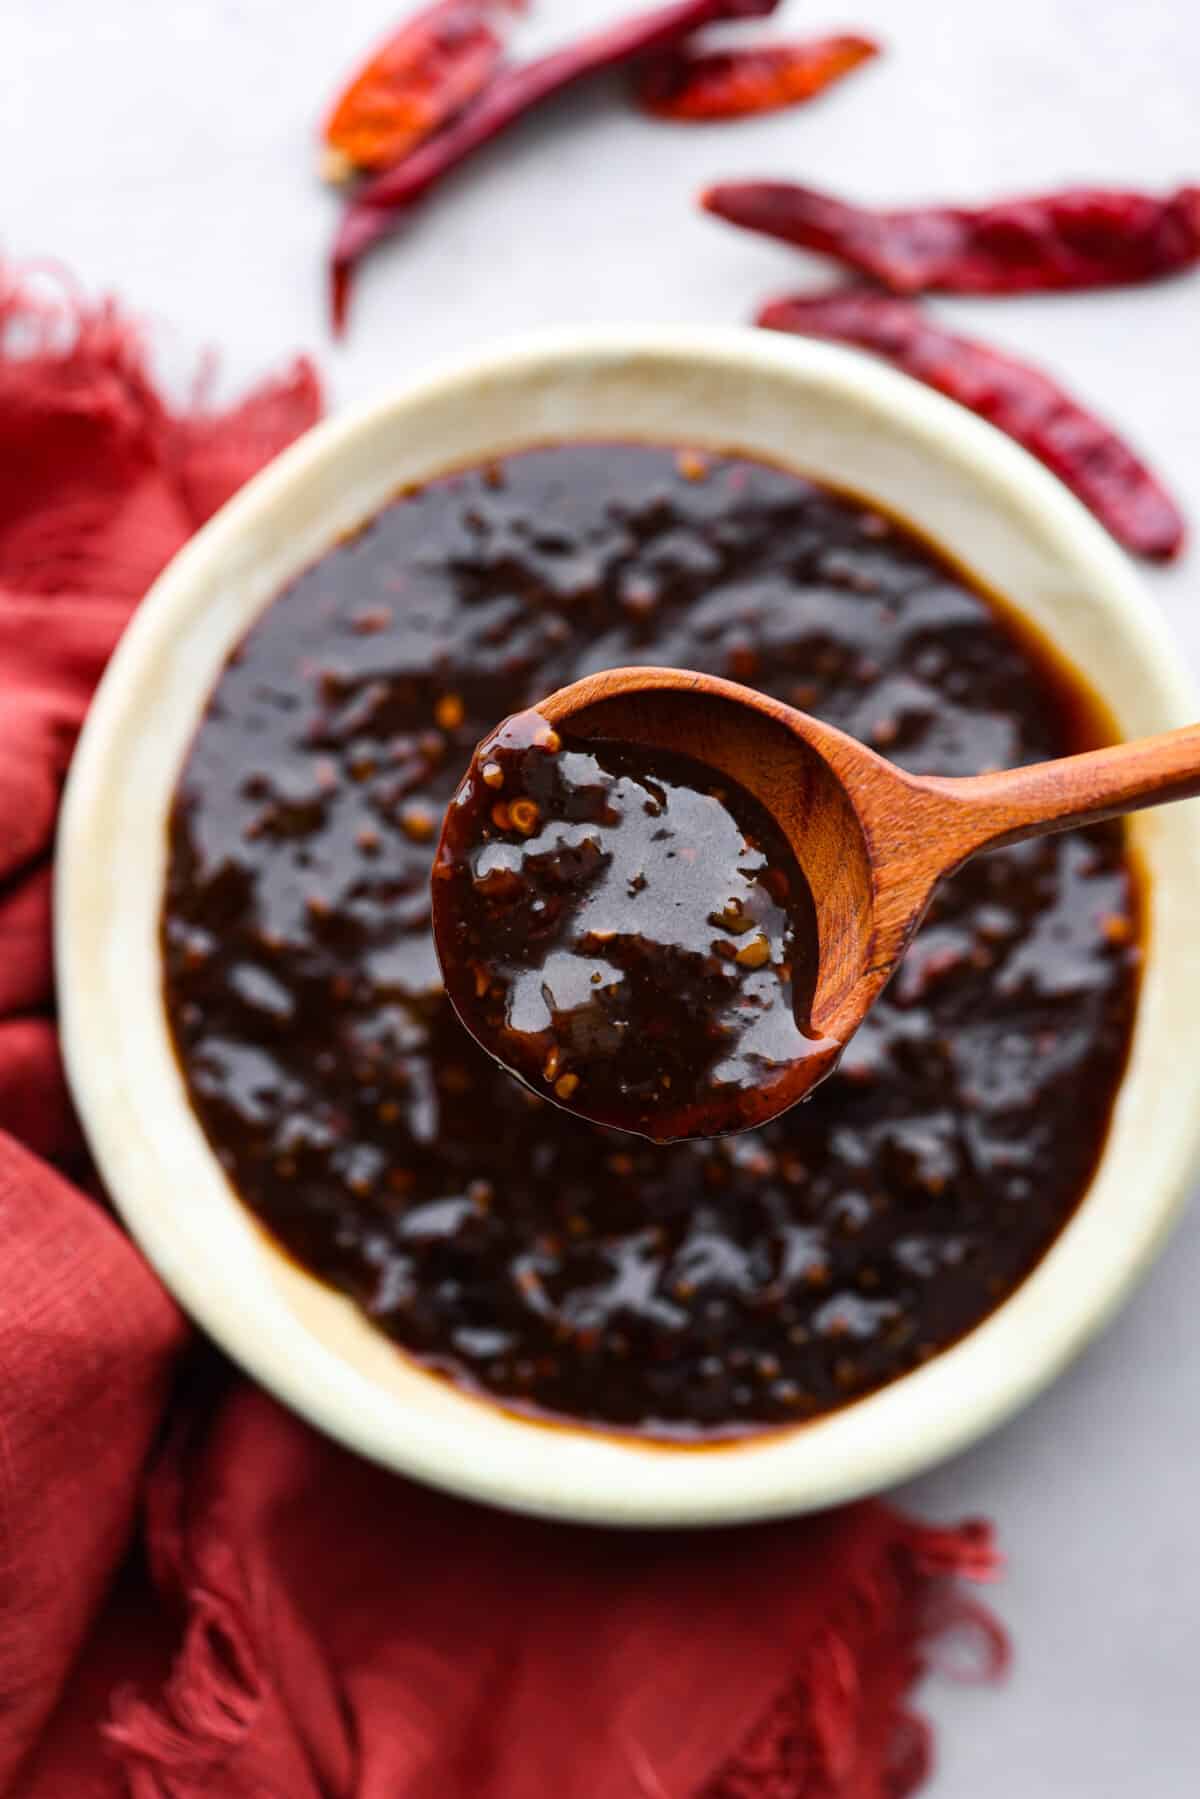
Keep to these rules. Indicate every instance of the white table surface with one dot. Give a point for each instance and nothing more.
(164, 151)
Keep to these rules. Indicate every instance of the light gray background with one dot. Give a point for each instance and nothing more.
(164, 150)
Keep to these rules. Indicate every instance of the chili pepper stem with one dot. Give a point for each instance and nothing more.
(334, 166)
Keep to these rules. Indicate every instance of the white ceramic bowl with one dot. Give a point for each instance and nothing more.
(825, 411)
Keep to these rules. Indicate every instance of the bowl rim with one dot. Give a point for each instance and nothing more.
(597, 1478)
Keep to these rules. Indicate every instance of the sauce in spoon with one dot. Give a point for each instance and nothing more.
(626, 930)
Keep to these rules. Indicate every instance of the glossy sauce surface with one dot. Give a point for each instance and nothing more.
(626, 930)
(692, 1290)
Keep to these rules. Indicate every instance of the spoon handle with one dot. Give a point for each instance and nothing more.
(984, 811)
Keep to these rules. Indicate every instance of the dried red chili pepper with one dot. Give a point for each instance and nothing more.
(385, 202)
(420, 77)
(731, 84)
(1084, 452)
(1079, 238)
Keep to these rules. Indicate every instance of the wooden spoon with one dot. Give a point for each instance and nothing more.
(872, 840)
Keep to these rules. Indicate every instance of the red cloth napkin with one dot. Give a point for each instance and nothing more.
(200, 1596)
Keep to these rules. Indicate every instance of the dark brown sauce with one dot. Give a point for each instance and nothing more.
(693, 1290)
(626, 930)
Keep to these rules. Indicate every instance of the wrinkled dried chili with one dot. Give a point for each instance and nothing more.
(417, 80)
(732, 84)
(384, 203)
(1084, 452)
(1079, 238)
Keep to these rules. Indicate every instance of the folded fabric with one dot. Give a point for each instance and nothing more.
(199, 1596)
